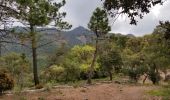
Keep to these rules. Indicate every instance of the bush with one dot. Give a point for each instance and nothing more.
(72, 71)
(154, 76)
(6, 81)
(53, 73)
(69, 71)
(134, 73)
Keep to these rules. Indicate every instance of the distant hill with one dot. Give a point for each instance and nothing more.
(77, 36)
(54, 38)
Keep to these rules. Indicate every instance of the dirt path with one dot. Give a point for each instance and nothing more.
(95, 92)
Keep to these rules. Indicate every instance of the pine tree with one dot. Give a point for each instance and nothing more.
(99, 24)
(33, 14)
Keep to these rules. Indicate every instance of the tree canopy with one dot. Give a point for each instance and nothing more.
(131, 8)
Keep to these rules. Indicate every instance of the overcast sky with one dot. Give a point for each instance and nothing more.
(80, 11)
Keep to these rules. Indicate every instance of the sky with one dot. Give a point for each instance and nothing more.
(80, 11)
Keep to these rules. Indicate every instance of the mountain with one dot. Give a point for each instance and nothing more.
(78, 36)
(54, 38)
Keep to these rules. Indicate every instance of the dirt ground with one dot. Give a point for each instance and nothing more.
(103, 91)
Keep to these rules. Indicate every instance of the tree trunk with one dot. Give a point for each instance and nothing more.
(165, 73)
(110, 75)
(146, 76)
(34, 55)
(0, 48)
(90, 75)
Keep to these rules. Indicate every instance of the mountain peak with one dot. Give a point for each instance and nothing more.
(80, 28)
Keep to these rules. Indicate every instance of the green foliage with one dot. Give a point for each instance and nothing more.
(39, 12)
(35, 13)
(19, 67)
(134, 44)
(53, 73)
(154, 75)
(163, 92)
(6, 81)
(134, 73)
(58, 57)
(119, 40)
(99, 22)
(17, 63)
(131, 8)
(83, 56)
(133, 59)
(163, 28)
(157, 51)
(72, 70)
(74, 66)
(68, 71)
(110, 60)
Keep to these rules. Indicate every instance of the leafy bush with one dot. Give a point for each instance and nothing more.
(54, 73)
(110, 60)
(84, 71)
(19, 67)
(154, 76)
(72, 71)
(134, 73)
(6, 81)
(69, 71)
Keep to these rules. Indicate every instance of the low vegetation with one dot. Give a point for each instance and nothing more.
(162, 92)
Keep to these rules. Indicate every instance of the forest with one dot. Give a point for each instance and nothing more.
(38, 62)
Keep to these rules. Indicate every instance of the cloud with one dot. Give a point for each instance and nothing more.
(80, 11)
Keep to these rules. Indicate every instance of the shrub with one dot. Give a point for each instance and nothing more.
(134, 73)
(154, 76)
(53, 73)
(6, 81)
(72, 71)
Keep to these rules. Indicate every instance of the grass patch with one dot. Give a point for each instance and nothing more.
(164, 92)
